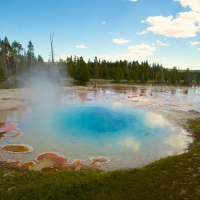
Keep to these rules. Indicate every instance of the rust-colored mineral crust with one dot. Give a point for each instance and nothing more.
(17, 148)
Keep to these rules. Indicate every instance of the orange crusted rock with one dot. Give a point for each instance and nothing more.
(2, 135)
(17, 148)
(58, 160)
(8, 126)
(75, 165)
(100, 160)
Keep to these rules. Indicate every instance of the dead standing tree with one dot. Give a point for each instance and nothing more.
(52, 51)
(52, 70)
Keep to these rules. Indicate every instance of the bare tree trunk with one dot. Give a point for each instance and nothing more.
(53, 75)
(52, 51)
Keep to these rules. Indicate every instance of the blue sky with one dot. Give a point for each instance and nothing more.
(167, 31)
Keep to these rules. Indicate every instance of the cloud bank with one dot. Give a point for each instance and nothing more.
(137, 52)
(192, 4)
(184, 25)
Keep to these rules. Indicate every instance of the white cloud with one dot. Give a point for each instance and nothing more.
(198, 49)
(142, 33)
(185, 25)
(137, 52)
(163, 58)
(193, 43)
(81, 46)
(192, 4)
(161, 43)
(120, 41)
(103, 22)
(143, 49)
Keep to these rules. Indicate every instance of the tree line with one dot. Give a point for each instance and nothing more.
(131, 72)
(16, 60)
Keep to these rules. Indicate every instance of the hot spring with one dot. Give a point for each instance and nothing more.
(91, 125)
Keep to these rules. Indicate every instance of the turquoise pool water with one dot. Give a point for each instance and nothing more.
(130, 137)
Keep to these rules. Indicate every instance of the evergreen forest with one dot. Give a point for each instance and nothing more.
(16, 60)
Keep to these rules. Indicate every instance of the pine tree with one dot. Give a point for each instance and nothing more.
(187, 77)
(2, 75)
(83, 75)
(30, 55)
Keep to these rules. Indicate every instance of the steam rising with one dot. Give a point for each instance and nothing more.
(44, 87)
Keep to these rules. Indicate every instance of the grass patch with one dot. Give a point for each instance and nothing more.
(174, 177)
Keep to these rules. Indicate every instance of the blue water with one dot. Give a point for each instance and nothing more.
(93, 124)
(130, 137)
(97, 119)
(97, 125)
